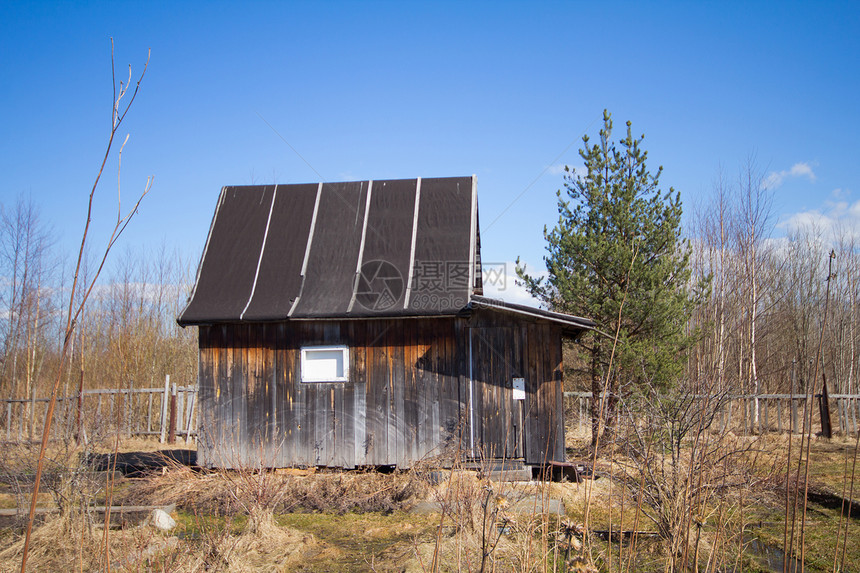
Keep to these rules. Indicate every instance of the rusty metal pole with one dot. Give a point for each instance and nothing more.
(171, 436)
(824, 409)
(164, 401)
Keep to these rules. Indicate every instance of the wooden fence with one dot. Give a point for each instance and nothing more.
(777, 412)
(128, 411)
(147, 412)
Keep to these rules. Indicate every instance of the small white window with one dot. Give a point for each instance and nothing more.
(325, 364)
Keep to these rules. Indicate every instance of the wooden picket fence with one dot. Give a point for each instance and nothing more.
(147, 412)
(777, 412)
(167, 412)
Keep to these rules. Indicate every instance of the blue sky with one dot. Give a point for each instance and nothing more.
(503, 90)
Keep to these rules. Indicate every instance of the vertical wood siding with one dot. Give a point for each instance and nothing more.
(407, 398)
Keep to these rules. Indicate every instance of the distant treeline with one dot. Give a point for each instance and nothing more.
(759, 328)
(127, 335)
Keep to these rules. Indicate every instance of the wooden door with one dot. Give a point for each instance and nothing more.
(496, 358)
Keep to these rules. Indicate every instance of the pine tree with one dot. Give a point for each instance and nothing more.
(617, 257)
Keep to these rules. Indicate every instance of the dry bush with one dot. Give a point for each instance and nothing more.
(61, 544)
(477, 528)
(487, 525)
(70, 485)
(231, 492)
(56, 543)
(682, 476)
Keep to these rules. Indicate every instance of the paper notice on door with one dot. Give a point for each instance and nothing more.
(519, 389)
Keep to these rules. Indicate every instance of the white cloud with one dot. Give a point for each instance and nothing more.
(808, 219)
(833, 219)
(776, 178)
(500, 281)
(802, 170)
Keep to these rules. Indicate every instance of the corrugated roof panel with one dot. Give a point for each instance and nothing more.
(227, 270)
(385, 259)
(440, 277)
(279, 279)
(330, 273)
(364, 248)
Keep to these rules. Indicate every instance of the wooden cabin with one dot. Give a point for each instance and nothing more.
(343, 325)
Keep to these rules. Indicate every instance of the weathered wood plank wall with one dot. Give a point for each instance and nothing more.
(531, 350)
(406, 398)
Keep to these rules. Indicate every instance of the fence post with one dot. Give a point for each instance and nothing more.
(128, 406)
(794, 425)
(113, 405)
(854, 403)
(778, 415)
(843, 415)
(164, 401)
(840, 413)
(171, 436)
(149, 414)
(180, 409)
(728, 416)
(191, 401)
(824, 408)
(32, 411)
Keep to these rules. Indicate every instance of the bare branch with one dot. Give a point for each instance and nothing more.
(74, 312)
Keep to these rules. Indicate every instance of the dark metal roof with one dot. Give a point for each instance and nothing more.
(338, 250)
(364, 249)
(568, 321)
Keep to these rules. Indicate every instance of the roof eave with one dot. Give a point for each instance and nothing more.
(572, 324)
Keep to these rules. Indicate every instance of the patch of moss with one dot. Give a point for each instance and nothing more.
(384, 540)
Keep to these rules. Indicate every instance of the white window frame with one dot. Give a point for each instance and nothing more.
(305, 368)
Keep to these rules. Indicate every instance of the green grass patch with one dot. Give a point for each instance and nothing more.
(361, 541)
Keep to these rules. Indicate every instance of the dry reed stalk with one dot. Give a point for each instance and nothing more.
(603, 399)
(850, 502)
(830, 275)
(785, 527)
(74, 312)
(621, 519)
(639, 499)
(807, 415)
(842, 510)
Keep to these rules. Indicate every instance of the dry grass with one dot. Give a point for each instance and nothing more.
(357, 521)
(144, 444)
(59, 543)
(235, 492)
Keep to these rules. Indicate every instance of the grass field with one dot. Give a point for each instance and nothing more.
(420, 521)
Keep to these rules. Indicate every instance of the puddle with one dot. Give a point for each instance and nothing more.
(767, 555)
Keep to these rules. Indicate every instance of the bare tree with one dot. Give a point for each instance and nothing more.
(713, 256)
(24, 258)
(846, 315)
(753, 226)
(76, 305)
